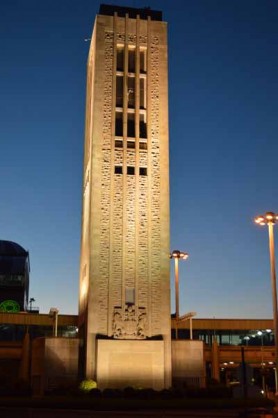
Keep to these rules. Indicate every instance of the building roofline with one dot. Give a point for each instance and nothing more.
(132, 12)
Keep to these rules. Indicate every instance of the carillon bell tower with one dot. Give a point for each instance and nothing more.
(124, 303)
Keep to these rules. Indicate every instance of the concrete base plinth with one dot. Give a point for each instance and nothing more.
(122, 363)
(54, 363)
(188, 363)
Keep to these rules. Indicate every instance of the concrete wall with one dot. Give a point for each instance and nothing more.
(123, 363)
(188, 363)
(54, 363)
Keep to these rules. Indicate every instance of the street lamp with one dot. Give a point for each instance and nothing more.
(177, 255)
(270, 219)
(260, 334)
(189, 315)
(31, 301)
(246, 338)
(53, 313)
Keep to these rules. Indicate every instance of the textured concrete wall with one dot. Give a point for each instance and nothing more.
(188, 363)
(130, 363)
(125, 224)
(54, 363)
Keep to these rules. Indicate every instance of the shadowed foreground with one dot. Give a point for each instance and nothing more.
(58, 413)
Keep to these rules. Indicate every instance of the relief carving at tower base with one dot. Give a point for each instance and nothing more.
(129, 323)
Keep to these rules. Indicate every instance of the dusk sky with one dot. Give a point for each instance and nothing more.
(223, 91)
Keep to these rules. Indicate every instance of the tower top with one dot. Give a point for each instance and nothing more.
(107, 9)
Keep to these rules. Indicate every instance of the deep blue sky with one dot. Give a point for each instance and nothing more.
(223, 68)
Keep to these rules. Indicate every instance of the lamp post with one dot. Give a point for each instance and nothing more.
(177, 255)
(31, 301)
(53, 313)
(246, 338)
(270, 219)
(189, 315)
(260, 334)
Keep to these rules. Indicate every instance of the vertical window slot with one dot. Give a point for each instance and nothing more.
(119, 91)
(120, 58)
(143, 126)
(142, 93)
(131, 125)
(131, 92)
(143, 61)
(131, 60)
(119, 124)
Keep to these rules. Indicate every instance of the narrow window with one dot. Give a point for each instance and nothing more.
(131, 92)
(131, 60)
(143, 127)
(119, 91)
(130, 170)
(118, 143)
(120, 58)
(119, 124)
(130, 144)
(143, 145)
(143, 61)
(143, 171)
(118, 169)
(142, 93)
(131, 125)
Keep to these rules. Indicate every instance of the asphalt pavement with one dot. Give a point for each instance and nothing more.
(13, 412)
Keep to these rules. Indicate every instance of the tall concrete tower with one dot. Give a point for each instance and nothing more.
(124, 306)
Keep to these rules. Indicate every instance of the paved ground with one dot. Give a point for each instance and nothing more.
(58, 413)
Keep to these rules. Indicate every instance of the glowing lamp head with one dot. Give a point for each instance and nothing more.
(268, 218)
(259, 219)
(184, 256)
(179, 254)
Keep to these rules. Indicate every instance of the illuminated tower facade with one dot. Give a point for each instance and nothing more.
(124, 304)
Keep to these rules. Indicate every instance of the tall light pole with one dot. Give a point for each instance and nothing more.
(53, 313)
(189, 315)
(261, 334)
(177, 255)
(270, 219)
